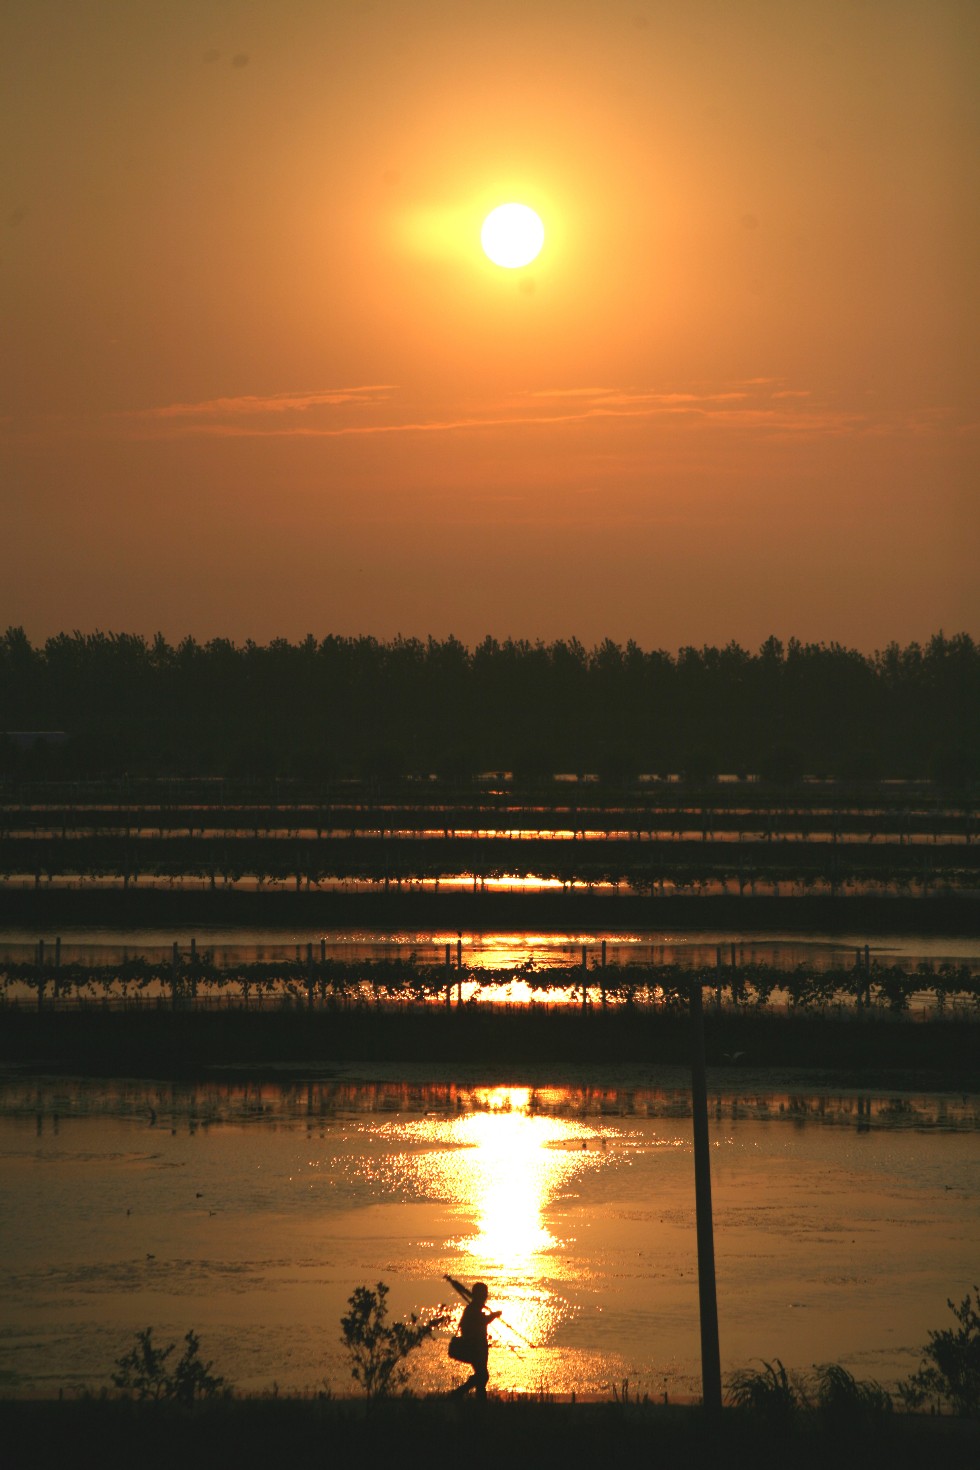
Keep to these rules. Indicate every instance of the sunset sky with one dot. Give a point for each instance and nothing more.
(259, 380)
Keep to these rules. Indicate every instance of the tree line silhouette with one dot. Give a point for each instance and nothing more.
(339, 707)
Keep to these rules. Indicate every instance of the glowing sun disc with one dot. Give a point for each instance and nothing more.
(512, 235)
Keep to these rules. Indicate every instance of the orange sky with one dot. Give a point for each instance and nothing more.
(258, 379)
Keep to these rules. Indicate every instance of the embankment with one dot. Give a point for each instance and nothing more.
(876, 1049)
(48, 909)
(405, 1433)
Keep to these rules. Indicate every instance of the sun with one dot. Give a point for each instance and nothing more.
(512, 235)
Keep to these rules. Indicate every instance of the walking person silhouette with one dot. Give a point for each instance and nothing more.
(473, 1331)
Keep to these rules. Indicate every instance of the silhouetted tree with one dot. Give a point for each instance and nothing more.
(337, 706)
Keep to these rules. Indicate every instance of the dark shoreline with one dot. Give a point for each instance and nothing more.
(875, 1050)
(45, 909)
(245, 1432)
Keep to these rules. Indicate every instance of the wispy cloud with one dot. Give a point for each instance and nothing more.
(755, 406)
(255, 405)
(568, 392)
(600, 397)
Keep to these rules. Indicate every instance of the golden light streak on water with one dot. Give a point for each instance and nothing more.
(509, 1178)
(506, 1167)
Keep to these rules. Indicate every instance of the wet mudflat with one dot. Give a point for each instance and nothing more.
(249, 1211)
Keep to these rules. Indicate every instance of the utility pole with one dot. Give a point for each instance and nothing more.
(707, 1294)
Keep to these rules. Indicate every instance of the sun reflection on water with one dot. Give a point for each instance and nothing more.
(505, 1167)
(509, 1178)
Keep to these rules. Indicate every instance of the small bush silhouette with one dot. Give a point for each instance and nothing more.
(767, 1393)
(780, 1400)
(143, 1371)
(848, 1401)
(376, 1348)
(950, 1368)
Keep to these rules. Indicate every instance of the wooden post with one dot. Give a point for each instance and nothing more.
(57, 967)
(39, 962)
(193, 967)
(732, 956)
(175, 973)
(718, 979)
(310, 981)
(707, 1293)
(449, 982)
(585, 978)
(459, 971)
(602, 978)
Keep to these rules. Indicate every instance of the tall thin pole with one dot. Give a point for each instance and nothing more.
(707, 1294)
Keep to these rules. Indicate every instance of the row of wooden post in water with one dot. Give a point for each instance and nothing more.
(182, 969)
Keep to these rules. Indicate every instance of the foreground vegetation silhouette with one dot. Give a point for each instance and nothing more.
(950, 1370)
(780, 1400)
(144, 1372)
(376, 1348)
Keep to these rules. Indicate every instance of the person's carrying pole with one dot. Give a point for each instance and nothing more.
(467, 1296)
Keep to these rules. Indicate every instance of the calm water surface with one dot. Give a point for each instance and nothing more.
(249, 1212)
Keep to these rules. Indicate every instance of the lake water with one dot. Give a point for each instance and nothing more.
(249, 1212)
